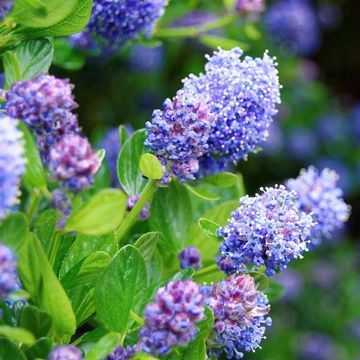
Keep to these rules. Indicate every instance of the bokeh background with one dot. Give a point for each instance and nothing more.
(318, 51)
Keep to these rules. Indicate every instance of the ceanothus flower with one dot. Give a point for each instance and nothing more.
(294, 23)
(9, 280)
(73, 162)
(266, 230)
(170, 320)
(115, 22)
(242, 94)
(12, 163)
(190, 257)
(5, 8)
(45, 105)
(239, 316)
(319, 195)
(178, 135)
(65, 352)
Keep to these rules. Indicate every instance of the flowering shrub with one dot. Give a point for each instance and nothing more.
(145, 244)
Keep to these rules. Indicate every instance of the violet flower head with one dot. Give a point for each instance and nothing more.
(5, 8)
(266, 230)
(12, 163)
(65, 352)
(9, 280)
(45, 105)
(250, 6)
(178, 135)
(243, 95)
(190, 257)
(319, 195)
(170, 320)
(240, 312)
(294, 23)
(113, 23)
(132, 200)
(121, 353)
(73, 162)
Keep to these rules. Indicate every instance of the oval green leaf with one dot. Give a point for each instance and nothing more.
(151, 167)
(209, 228)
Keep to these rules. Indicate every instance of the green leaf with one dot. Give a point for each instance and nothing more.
(84, 245)
(20, 335)
(183, 274)
(39, 322)
(128, 163)
(12, 68)
(146, 244)
(9, 350)
(142, 356)
(151, 167)
(102, 214)
(89, 270)
(93, 335)
(39, 280)
(72, 24)
(225, 43)
(67, 57)
(35, 175)
(209, 228)
(121, 289)
(45, 226)
(123, 134)
(202, 193)
(229, 4)
(103, 347)
(39, 350)
(261, 280)
(13, 230)
(82, 299)
(222, 180)
(41, 14)
(171, 215)
(252, 32)
(274, 291)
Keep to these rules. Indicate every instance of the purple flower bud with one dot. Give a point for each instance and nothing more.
(319, 196)
(9, 280)
(190, 257)
(12, 163)
(242, 94)
(240, 316)
(250, 6)
(132, 200)
(73, 162)
(266, 230)
(63, 352)
(121, 353)
(113, 23)
(171, 318)
(178, 135)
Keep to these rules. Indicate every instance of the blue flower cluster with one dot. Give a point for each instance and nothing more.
(65, 353)
(218, 117)
(240, 316)
(9, 280)
(266, 230)
(178, 135)
(319, 195)
(45, 104)
(12, 163)
(189, 257)
(115, 22)
(5, 8)
(73, 162)
(243, 95)
(171, 318)
(294, 23)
